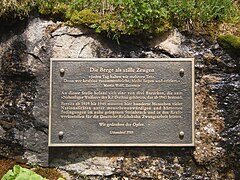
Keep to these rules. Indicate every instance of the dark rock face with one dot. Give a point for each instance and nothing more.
(228, 95)
(24, 94)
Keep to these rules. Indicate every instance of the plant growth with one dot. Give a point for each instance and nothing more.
(19, 173)
(128, 16)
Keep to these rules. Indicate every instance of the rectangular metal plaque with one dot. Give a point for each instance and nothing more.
(121, 102)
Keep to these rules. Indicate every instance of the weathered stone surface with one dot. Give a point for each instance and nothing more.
(73, 43)
(24, 94)
(97, 166)
(170, 43)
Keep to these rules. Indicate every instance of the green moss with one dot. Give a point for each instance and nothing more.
(13, 8)
(86, 17)
(52, 8)
(45, 7)
(230, 43)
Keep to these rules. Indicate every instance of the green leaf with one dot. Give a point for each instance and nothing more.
(16, 169)
(35, 177)
(98, 30)
(20, 173)
(9, 175)
(146, 26)
(23, 176)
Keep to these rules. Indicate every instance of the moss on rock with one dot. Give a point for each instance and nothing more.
(86, 17)
(230, 43)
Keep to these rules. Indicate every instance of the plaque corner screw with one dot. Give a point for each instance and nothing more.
(181, 72)
(62, 70)
(60, 134)
(181, 134)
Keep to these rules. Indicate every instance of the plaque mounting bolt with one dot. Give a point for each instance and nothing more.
(60, 134)
(62, 71)
(181, 72)
(181, 134)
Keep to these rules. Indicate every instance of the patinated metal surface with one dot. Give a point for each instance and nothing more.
(121, 102)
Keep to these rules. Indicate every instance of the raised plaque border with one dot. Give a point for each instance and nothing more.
(124, 60)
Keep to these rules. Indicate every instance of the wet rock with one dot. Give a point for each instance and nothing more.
(228, 95)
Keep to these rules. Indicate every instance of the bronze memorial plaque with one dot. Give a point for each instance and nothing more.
(121, 102)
